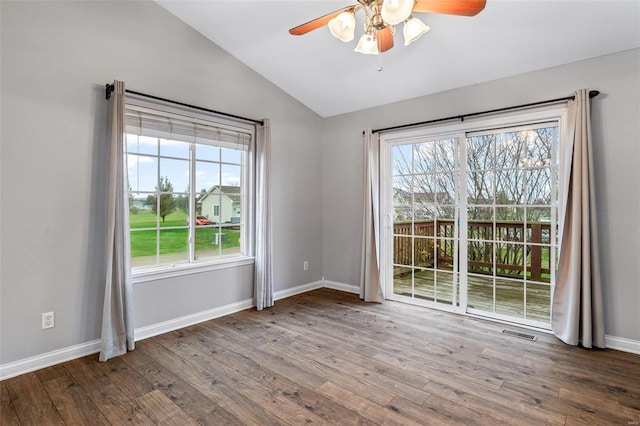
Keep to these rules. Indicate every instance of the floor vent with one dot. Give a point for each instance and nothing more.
(520, 335)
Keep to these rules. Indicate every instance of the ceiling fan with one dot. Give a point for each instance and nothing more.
(380, 17)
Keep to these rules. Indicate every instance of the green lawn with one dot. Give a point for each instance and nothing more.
(143, 243)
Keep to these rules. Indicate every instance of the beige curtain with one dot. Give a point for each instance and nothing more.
(117, 314)
(263, 256)
(577, 315)
(370, 284)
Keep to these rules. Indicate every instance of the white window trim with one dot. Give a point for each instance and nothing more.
(144, 274)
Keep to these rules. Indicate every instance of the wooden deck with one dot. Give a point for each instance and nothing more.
(325, 357)
(510, 295)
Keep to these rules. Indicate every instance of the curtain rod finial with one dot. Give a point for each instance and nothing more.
(109, 88)
(593, 93)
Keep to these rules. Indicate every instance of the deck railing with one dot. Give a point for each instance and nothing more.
(519, 247)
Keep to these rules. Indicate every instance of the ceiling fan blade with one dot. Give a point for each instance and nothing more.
(318, 22)
(450, 7)
(385, 39)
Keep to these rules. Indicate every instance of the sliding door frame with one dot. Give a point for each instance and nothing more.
(458, 130)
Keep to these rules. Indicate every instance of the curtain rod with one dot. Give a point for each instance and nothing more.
(109, 88)
(592, 94)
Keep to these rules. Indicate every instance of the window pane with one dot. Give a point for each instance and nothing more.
(142, 144)
(402, 252)
(424, 284)
(446, 155)
(510, 298)
(174, 245)
(480, 293)
(232, 239)
(142, 173)
(510, 147)
(480, 257)
(446, 184)
(231, 155)
(444, 287)
(174, 175)
(424, 158)
(143, 248)
(480, 187)
(207, 176)
(169, 148)
(231, 175)
(401, 160)
(539, 302)
(480, 152)
(170, 214)
(138, 205)
(142, 211)
(424, 252)
(207, 152)
(509, 186)
(424, 189)
(445, 252)
(231, 206)
(205, 244)
(483, 213)
(403, 281)
(539, 186)
(510, 260)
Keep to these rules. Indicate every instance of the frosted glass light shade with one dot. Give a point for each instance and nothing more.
(413, 29)
(367, 45)
(395, 11)
(343, 26)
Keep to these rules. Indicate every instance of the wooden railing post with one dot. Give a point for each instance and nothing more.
(536, 251)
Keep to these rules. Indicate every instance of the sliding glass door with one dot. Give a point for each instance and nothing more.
(425, 199)
(471, 220)
(512, 181)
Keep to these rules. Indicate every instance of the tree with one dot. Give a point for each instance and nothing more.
(167, 202)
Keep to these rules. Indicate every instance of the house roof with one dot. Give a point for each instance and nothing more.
(233, 192)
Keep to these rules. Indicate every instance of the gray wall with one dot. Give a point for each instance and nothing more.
(56, 58)
(616, 133)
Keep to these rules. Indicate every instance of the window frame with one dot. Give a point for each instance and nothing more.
(168, 270)
(551, 113)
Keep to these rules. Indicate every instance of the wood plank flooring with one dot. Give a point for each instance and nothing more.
(325, 357)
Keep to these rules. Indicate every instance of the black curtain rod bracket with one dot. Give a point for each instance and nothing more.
(109, 88)
(592, 94)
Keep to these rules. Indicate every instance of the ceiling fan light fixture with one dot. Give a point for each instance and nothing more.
(367, 45)
(343, 26)
(413, 29)
(395, 11)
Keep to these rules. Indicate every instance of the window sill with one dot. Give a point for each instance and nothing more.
(178, 270)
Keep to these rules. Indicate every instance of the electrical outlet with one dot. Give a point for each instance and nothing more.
(305, 265)
(48, 320)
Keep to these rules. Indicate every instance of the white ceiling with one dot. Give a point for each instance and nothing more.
(509, 37)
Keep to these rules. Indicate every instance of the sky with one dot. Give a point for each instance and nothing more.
(213, 166)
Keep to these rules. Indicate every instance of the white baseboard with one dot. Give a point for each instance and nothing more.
(27, 365)
(37, 362)
(58, 356)
(622, 344)
(187, 320)
(349, 288)
(283, 294)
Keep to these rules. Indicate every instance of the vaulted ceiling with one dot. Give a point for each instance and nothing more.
(509, 37)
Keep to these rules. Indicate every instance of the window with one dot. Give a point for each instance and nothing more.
(189, 189)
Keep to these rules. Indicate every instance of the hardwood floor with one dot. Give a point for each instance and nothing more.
(326, 357)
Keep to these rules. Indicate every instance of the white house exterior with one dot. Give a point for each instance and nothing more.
(221, 204)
